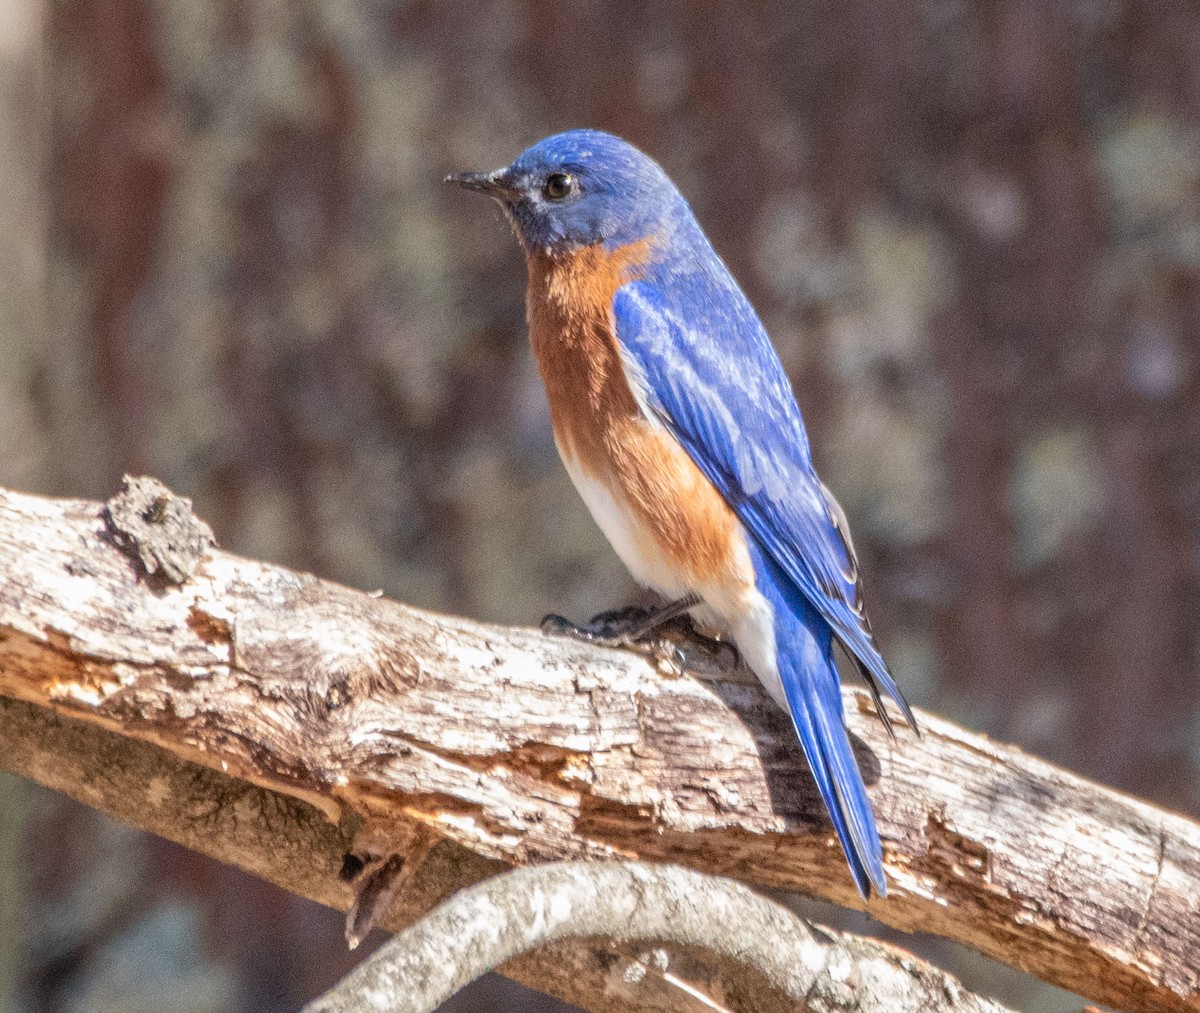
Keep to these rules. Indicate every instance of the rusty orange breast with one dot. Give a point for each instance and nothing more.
(598, 426)
(569, 307)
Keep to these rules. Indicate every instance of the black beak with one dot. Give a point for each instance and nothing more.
(495, 184)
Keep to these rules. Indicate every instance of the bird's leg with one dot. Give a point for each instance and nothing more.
(622, 627)
(723, 651)
(683, 646)
(629, 628)
(610, 625)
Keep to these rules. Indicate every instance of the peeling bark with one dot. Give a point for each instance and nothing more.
(524, 749)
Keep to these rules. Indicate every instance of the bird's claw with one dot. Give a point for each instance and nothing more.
(555, 625)
(613, 629)
(560, 626)
(666, 654)
(608, 629)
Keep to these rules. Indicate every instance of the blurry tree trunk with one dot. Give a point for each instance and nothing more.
(24, 345)
(969, 228)
(396, 724)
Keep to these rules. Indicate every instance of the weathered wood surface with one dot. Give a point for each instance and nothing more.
(785, 964)
(521, 749)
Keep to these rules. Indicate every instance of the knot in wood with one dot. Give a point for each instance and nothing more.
(158, 531)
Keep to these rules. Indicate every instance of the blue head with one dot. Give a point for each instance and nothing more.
(581, 188)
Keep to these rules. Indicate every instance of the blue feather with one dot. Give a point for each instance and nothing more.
(804, 654)
(741, 426)
(743, 429)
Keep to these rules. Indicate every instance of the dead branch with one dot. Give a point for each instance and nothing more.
(630, 902)
(524, 749)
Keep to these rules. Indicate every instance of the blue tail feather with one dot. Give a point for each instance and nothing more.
(804, 654)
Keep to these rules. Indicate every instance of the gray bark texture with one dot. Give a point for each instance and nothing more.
(798, 965)
(282, 723)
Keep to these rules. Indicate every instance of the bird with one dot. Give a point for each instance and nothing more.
(679, 428)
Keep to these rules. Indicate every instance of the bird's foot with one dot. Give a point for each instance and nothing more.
(615, 628)
(719, 649)
(623, 628)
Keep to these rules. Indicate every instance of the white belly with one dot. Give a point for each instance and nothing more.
(734, 606)
(630, 540)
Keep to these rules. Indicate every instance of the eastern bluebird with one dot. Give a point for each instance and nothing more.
(678, 426)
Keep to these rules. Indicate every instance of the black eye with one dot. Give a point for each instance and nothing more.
(558, 186)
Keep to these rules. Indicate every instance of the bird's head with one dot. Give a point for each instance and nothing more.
(578, 189)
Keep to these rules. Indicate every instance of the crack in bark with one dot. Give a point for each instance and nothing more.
(1144, 919)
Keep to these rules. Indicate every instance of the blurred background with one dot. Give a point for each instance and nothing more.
(972, 228)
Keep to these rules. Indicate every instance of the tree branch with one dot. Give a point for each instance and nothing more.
(630, 902)
(524, 749)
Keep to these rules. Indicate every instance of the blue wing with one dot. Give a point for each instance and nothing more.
(700, 361)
